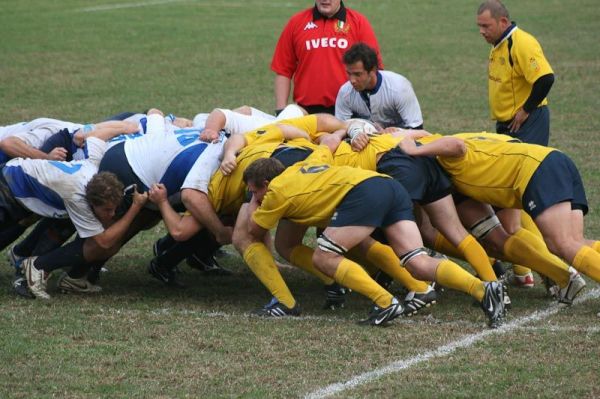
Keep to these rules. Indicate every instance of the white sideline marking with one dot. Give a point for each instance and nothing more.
(108, 7)
(444, 350)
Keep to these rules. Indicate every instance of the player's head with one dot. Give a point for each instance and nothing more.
(361, 66)
(259, 173)
(104, 193)
(328, 8)
(493, 19)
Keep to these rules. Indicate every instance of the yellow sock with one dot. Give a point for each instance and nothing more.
(587, 261)
(525, 247)
(451, 275)
(528, 224)
(260, 260)
(444, 246)
(596, 246)
(301, 256)
(351, 275)
(385, 258)
(476, 256)
(356, 256)
(521, 270)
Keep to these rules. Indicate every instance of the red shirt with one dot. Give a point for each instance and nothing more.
(310, 50)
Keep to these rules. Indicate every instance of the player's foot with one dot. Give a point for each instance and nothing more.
(207, 265)
(524, 281)
(36, 279)
(382, 316)
(21, 288)
(336, 296)
(567, 294)
(415, 301)
(67, 284)
(277, 309)
(15, 260)
(165, 274)
(493, 303)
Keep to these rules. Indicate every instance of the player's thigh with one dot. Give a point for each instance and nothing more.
(444, 217)
(288, 235)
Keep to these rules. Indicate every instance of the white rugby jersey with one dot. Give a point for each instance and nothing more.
(165, 154)
(392, 102)
(57, 189)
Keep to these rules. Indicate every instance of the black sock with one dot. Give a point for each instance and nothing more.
(69, 255)
(47, 235)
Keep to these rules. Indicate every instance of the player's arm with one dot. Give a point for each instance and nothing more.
(444, 147)
(282, 91)
(107, 130)
(14, 147)
(214, 123)
(112, 235)
(199, 205)
(232, 147)
(540, 89)
(290, 132)
(181, 228)
(332, 140)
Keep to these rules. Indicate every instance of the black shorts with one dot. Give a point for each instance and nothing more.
(422, 177)
(535, 130)
(377, 202)
(555, 180)
(115, 161)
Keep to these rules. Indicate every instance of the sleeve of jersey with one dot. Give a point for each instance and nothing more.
(307, 123)
(266, 134)
(95, 149)
(155, 124)
(284, 58)
(342, 103)
(83, 219)
(530, 57)
(408, 106)
(205, 166)
(34, 138)
(272, 209)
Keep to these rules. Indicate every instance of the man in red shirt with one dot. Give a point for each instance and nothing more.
(310, 50)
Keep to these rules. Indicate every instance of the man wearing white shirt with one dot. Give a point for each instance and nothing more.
(383, 97)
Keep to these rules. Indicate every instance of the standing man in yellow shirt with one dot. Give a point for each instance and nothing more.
(519, 76)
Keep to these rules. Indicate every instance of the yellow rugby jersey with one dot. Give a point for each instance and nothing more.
(509, 86)
(308, 192)
(495, 171)
(367, 158)
(227, 193)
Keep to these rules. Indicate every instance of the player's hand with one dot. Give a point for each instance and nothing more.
(182, 122)
(57, 154)
(209, 135)
(228, 164)
(139, 199)
(157, 193)
(520, 118)
(408, 145)
(359, 142)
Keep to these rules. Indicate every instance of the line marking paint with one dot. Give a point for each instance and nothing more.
(441, 351)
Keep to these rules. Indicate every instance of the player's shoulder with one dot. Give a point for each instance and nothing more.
(524, 38)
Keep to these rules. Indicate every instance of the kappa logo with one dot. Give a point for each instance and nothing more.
(334, 217)
(531, 205)
(310, 25)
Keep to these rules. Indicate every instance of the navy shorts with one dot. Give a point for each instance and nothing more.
(377, 202)
(555, 180)
(422, 177)
(535, 130)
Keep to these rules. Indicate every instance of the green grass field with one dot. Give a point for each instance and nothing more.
(82, 60)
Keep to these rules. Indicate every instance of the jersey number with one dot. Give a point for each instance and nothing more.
(314, 169)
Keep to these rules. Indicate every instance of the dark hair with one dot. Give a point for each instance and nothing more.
(263, 169)
(361, 52)
(104, 188)
(496, 8)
